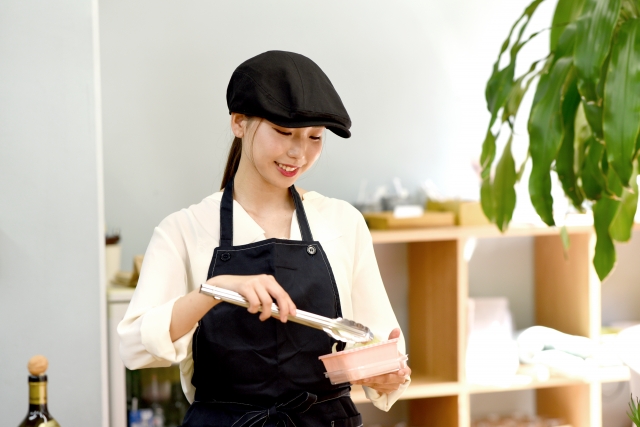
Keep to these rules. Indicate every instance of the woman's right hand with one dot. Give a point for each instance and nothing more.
(259, 290)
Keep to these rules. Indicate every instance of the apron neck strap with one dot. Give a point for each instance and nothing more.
(226, 216)
(303, 223)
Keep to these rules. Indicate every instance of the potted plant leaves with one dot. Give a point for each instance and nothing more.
(584, 122)
(634, 411)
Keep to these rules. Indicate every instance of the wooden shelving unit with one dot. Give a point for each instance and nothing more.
(567, 298)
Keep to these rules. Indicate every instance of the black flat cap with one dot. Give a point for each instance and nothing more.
(287, 89)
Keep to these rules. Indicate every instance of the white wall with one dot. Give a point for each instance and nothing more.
(51, 217)
(411, 74)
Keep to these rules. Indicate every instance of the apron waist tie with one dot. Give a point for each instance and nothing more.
(279, 412)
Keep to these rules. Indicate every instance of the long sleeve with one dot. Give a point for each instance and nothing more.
(371, 305)
(144, 331)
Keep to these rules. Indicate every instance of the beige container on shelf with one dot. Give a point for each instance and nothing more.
(466, 212)
(387, 221)
(130, 278)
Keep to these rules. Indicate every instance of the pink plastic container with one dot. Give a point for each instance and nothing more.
(363, 362)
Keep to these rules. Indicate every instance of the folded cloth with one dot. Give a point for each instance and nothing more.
(535, 339)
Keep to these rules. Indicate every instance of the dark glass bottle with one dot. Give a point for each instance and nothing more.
(38, 415)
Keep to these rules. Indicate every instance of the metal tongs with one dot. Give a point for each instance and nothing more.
(341, 329)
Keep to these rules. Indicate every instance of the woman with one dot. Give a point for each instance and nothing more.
(268, 241)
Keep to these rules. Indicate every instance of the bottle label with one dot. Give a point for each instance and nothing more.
(38, 393)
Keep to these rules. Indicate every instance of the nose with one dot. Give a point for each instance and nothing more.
(296, 149)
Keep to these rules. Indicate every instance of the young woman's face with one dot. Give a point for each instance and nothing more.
(280, 155)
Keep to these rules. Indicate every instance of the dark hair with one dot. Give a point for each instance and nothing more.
(232, 162)
(235, 152)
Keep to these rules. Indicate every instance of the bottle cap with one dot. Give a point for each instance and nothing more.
(38, 365)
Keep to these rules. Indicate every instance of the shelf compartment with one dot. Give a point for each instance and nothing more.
(445, 411)
(567, 291)
(437, 285)
(573, 403)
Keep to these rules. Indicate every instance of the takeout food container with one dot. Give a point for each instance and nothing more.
(363, 362)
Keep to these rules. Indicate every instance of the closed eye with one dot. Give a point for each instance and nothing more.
(282, 132)
(315, 138)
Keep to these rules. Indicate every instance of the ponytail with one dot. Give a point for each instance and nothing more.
(232, 162)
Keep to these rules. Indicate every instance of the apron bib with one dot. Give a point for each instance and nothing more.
(253, 373)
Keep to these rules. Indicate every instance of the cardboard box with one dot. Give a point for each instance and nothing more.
(466, 212)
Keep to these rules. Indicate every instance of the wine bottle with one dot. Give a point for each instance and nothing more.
(38, 415)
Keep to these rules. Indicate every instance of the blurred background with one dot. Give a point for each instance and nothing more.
(113, 116)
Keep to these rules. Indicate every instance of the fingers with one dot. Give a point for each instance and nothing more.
(260, 292)
(252, 298)
(285, 304)
(394, 334)
(406, 369)
(265, 301)
(385, 383)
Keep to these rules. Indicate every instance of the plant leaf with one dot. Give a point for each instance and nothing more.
(595, 29)
(486, 198)
(518, 90)
(566, 12)
(498, 89)
(545, 136)
(622, 224)
(634, 413)
(566, 154)
(501, 81)
(504, 193)
(593, 113)
(604, 259)
(582, 133)
(621, 115)
(593, 109)
(614, 185)
(522, 167)
(593, 179)
(567, 42)
(488, 154)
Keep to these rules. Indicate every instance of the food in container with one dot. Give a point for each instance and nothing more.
(363, 362)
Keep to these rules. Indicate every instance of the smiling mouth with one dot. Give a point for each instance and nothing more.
(287, 168)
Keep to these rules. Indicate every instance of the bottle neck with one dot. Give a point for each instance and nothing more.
(38, 393)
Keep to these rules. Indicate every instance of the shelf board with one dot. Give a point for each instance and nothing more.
(457, 232)
(453, 233)
(605, 375)
(419, 388)
(424, 388)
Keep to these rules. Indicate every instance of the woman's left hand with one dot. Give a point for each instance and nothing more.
(387, 383)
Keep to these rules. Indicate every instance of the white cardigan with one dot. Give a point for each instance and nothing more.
(177, 260)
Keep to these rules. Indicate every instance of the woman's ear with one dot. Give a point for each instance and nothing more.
(238, 124)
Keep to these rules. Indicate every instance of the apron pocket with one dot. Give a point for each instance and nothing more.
(348, 422)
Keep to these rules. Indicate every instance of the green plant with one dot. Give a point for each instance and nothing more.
(584, 122)
(634, 413)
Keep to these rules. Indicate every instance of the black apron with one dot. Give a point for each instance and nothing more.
(267, 374)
